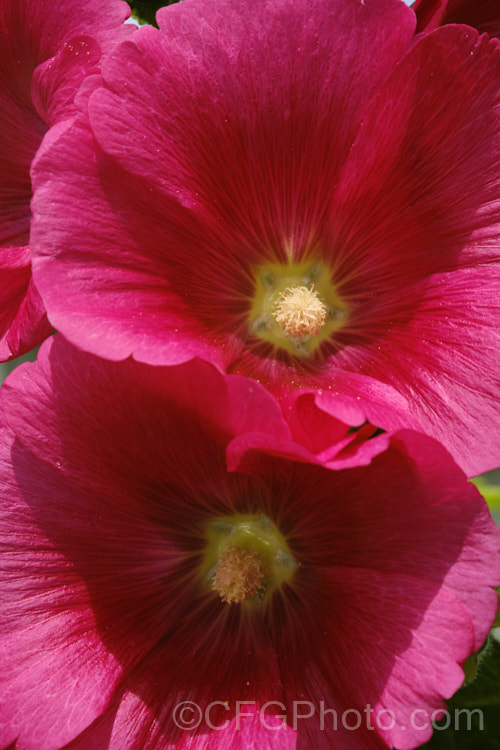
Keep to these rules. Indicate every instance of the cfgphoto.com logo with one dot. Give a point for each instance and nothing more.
(273, 715)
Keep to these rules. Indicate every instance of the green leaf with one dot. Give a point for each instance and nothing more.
(145, 10)
(489, 490)
(474, 712)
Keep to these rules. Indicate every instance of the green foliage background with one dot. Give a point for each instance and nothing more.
(145, 10)
(483, 694)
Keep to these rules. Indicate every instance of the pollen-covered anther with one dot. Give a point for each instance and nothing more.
(238, 575)
(299, 311)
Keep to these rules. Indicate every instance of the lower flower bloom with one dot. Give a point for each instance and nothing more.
(152, 599)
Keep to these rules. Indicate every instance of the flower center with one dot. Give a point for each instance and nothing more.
(238, 575)
(246, 559)
(296, 306)
(299, 311)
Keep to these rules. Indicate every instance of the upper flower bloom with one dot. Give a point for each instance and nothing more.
(141, 574)
(44, 55)
(298, 192)
(483, 15)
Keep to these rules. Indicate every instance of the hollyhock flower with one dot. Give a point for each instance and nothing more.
(483, 15)
(45, 52)
(141, 574)
(297, 192)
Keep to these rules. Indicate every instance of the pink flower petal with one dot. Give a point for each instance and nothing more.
(110, 474)
(425, 242)
(148, 713)
(23, 322)
(146, 278)
(484, 15)
(378, 539)
(192, 186)
(351, 679)
(41, 666)
(236, 404)
(43, 59)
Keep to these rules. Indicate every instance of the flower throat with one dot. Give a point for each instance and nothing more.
(246, 559)
(295, 307)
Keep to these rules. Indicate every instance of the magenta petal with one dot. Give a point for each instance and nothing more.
(443, 637)
(114, 478)
(48, 633)
(345, 452)
(310, 129)
(149, 711)
(42, 26)
(38, 680)
(360, 558)
(251, 731)
(55, 81)
(236, 404)
(116, 319)
(425, 489)
(287, 53)
(23, 322)
(43, 60)
(322, 418)
(244, 407)
(155, 196)
(483, 15)
(425, 241)
(464, 580)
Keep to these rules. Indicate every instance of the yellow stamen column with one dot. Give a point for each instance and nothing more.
(296, 307)
(246, 559)
(238, 575)
(299, 311)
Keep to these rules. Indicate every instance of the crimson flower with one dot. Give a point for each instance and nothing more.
(483, 15)
(298, 192)
(45, 52)
(141, 574)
